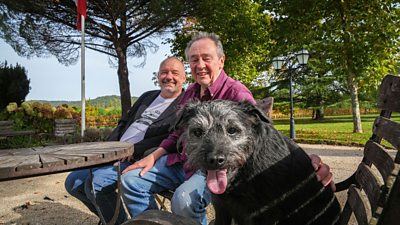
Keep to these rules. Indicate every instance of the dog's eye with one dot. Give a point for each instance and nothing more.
(197, 132)
(232, 130)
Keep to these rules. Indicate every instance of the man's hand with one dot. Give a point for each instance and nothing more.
(323, 172)
(147, 162)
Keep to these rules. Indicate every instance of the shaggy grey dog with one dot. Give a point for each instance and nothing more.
(257, 175)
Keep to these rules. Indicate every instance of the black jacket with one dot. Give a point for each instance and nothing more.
(156, 132)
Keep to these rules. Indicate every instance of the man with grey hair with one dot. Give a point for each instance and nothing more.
(165, 168)
(146, 124)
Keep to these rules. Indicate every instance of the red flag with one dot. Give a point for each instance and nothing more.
(81, 8)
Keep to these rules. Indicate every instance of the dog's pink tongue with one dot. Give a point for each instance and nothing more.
(217, 181)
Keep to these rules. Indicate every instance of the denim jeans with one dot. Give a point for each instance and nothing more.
(78, 184)
(190, 199)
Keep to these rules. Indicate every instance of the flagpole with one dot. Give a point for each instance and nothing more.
(83, 111)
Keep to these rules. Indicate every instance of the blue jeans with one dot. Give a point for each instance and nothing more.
(190, 199)
(78, 184)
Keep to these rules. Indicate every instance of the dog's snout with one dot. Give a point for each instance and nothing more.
(216, 161)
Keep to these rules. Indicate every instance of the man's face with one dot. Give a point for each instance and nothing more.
(204, 62)
(171, 77)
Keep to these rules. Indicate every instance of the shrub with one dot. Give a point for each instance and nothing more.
(37, 116)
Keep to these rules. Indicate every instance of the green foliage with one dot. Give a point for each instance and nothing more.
(30, 115)
(38, 116)
(14, 84)
(318, 91)
(18, 142)
(243, 30)
(356, 41)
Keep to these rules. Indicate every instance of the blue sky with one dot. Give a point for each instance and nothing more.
(50, 80)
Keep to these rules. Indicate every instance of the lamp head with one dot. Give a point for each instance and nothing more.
(302, 57)
(277, 62)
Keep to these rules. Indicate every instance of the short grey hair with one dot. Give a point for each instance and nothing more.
(170, 58)
(202, 35)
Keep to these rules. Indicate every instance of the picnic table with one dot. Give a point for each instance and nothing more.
(35, 161)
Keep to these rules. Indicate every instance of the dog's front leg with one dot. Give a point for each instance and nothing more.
(222, 216)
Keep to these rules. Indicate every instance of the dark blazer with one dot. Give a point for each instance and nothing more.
(156, 132)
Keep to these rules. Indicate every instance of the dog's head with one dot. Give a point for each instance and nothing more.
(219, 137)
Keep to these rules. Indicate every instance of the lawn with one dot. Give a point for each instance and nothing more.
(336, 130)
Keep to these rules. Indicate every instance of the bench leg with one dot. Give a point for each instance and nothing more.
(119, 197)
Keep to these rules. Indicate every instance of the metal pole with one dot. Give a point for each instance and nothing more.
(83, 103)
(292, 128)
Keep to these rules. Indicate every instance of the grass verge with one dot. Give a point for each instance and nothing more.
(336, 130)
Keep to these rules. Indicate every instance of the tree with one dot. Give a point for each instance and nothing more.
(243, 30)
(14, 84)
(357, 40)
(119, 29)
(318, 90)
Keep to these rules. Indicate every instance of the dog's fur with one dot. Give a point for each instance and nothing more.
(270, 179)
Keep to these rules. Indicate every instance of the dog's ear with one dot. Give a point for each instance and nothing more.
(184, 114)
(250, 109)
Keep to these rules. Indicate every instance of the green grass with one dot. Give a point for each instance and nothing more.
(336, 130)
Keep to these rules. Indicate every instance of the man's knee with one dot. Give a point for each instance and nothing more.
(104, 179)
(181, 203)
(187, 203)
(74, 182)
(130, 180)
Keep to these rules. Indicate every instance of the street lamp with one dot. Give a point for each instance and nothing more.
(289, 63)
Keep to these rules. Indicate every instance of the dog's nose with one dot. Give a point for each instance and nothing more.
(216, 161)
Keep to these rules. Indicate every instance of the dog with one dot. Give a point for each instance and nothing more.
(256, 175)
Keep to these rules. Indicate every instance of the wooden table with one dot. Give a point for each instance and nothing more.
(35, 161)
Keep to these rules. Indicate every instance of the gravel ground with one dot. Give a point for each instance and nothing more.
(44, 201)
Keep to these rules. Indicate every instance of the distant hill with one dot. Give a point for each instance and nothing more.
(101, 102)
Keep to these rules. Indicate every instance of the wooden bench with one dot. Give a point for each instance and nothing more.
(374, 188)
(65, 130)
(7, 130)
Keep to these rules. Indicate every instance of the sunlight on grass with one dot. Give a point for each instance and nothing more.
(332, 130)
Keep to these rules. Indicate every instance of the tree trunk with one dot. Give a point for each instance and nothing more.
(319, 113)
(123, 80)
(355, 105)
(351, 71)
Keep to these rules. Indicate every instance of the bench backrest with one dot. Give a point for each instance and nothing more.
(374, 189)
(6, 125)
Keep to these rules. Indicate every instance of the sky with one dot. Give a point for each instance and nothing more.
(51, 80)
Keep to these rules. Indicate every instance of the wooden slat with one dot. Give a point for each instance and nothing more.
(369, 183)
(11, 161)
(389, 93)
(6, 123)
(357, 203)
(50, 161)
(374, 153)
(387, 129)
(29, 163)
(12, 133)
(392, 210)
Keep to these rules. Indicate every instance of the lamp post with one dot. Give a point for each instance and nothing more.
(291, 63)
